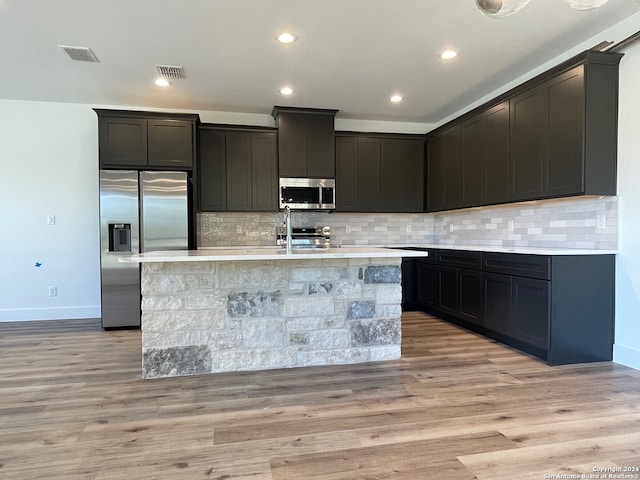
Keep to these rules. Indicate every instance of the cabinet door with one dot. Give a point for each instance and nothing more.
(444, 183)
(530, 311)
(435, 174)
(320, 146)
(401, 175)
(347, 174)
(368, 175)
(473, 159)
(170, 143)
(264, 172)
(212, 177)
(497, 302)
(292, 145)
(414, 180)
(496, 173)
(409, 281)
(122, 142)
(238, 148)
(448, 301)
(528, 143)
(452, 169)
(427, 290)
(563, 166)
(392, 165)
(470, 301)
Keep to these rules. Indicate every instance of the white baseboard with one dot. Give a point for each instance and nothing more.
(626, 356)
(62, 313)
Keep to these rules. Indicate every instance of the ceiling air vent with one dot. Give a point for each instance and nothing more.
(80, 54)
(170, 71)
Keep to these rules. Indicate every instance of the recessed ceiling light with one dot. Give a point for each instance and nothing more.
(162, 82)
(286, 37)
(286, 90)
(448, 54)
(396, 98)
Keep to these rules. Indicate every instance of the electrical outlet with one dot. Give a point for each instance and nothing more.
(601, 221)
(238, 229)
(348, 228)
(510, 225)
(51, 219)
(53, 291)
(408, 228)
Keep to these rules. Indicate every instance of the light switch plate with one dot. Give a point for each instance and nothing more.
(51, 219)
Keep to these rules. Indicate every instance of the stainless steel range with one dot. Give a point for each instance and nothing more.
(305, 237)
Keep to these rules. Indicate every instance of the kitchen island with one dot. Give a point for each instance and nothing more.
(237, 309)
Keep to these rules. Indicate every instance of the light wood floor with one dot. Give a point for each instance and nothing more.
(456, 406)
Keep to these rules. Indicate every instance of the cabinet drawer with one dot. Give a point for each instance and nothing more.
(460, 259)
(519, 265)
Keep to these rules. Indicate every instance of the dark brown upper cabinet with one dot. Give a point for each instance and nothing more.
(212, 169)
(484, 152)
(130, 139)
(306, 145)
(401, 175)
(562, 166)
(528, 143)
(237, 169)
(444, 172)
(379, 173)
(170, 142)
(347, 174)
(357, 174)
(553, 136)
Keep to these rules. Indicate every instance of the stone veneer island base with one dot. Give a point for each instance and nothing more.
(237, 315)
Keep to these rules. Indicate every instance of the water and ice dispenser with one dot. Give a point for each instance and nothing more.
(119, 237)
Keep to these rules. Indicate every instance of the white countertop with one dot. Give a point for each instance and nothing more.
(521, 250)
(218, 254)
(268, 253)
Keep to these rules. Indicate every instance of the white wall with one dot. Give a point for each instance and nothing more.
(49, 166)
(627, 338)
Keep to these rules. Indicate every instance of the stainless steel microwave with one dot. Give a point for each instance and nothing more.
(308, 193)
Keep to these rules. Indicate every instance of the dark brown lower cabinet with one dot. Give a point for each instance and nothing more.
(497, 304)
(470, 295)
(460, 293)
(518, 307)
(448, 290)
(559, 308)
(451, 291)
(409, 283)
(530, 315)
(427, 275)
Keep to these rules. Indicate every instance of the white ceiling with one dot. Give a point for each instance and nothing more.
(351, 55)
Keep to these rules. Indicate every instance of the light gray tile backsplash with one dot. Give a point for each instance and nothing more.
(223, 229)
(567, 223)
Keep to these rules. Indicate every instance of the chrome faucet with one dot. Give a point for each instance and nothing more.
(287, 224)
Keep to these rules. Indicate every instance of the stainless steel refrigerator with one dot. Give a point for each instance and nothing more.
(139, 212)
